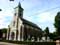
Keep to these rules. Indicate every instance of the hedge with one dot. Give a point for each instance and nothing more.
(30, 43)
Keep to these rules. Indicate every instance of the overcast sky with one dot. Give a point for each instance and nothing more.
(40, 12)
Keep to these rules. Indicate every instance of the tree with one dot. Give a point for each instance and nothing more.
(52, 35)
(57, 23)
(4, 30)
(46, 31)
(1, 34)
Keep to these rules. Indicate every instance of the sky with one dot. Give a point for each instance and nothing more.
(40, 12)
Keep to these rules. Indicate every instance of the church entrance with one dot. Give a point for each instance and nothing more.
(12, 36)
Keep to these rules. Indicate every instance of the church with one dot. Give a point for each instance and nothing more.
(21, 29)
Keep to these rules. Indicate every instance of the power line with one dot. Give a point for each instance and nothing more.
(51, 9)
(46, 10)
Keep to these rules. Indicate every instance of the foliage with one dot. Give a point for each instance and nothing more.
(57, 23)
(47, 31)
(30, 43)
(4, 30)
(52, 35)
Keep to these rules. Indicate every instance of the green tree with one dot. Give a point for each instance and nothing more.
(46, 31)
(4, 30)
(57, 23)
(52, 35)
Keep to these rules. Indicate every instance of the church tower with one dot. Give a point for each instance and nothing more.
(15, 27)
(19, 11)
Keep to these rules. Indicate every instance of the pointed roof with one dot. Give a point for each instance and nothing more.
(30, 23)
(19, 5)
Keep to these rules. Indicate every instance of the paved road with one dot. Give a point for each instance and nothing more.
(4, 43)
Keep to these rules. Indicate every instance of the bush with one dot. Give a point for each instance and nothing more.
(30, 43)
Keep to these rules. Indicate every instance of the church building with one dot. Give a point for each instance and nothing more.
(21, 29)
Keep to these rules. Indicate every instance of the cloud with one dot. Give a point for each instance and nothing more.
(30, 6)
(45, 17)
(5, 18)
(43, 20)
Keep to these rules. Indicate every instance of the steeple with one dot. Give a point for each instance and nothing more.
(19, 5)
(19, 10)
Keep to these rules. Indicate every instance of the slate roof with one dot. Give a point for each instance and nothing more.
(30, 23)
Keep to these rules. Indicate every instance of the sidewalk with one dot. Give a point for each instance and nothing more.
(5, 43)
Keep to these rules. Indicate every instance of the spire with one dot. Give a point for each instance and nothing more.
(19, 5)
